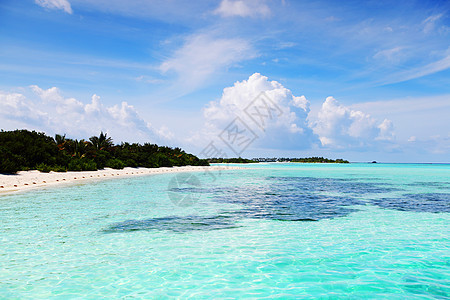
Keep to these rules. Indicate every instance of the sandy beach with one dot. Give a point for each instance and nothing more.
(27, 180)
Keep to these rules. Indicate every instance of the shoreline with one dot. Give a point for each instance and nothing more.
(29, 180)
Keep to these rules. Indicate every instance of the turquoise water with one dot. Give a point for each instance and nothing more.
(270, 231)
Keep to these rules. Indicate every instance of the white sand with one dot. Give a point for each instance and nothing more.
(27, 180)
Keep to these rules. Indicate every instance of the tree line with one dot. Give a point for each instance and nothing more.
(238, 160)
(26, 150)
(320, 159)
(314, 159)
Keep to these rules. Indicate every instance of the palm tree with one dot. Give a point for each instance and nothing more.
(77, 148)
(102, 142)
(81, 148)
(60, 141)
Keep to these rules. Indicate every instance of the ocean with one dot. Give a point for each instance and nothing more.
(270, 230)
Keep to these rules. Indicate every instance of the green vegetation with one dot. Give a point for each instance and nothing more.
(239, 160)
(25, 150)
(319, 160)
(314, 159)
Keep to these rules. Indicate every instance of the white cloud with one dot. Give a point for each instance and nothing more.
(406, 105)
(435, 144)
(294, 128)
(412, 139)
(47, 110)
(301, 102)
(203, 55)
(388, 54)
(149, 80)
(386, 130)
(339, 126)
(284, 127)
(285, 45)
(429, 23)
(55, 4)
(240, 8)
(412, 116)
(169, 12)
(431, 68)
(15, 106)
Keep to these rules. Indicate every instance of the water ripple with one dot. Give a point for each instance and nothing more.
(175, 224)
(296, 199)
(425, 202)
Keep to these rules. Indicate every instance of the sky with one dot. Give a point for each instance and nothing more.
(359, 80)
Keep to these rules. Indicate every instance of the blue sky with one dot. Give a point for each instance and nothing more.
(178, 72)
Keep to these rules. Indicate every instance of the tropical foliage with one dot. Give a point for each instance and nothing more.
(319, 160)
(25, 150)
(238, 160)
(314, 159)
(241, 160)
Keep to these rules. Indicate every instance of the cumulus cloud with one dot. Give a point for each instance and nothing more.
(48, 110)
(249, 8)
(271, 116)
(386, 131)
(284, 121)
(15, 106)
(268, 109)
(339, 126)
(55, 4)
(203, 55)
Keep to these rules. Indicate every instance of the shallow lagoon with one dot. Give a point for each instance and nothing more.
(272, 230)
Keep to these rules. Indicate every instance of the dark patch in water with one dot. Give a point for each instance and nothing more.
(292, 207)
(227, 220)
(426, 202)
(187, 190)
(175, 224)
(346, 186)
(295, 199)
(305, 198)
(437, 185)
(298, 220)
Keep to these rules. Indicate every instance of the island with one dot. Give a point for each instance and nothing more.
(23, 150)
(314, 159)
